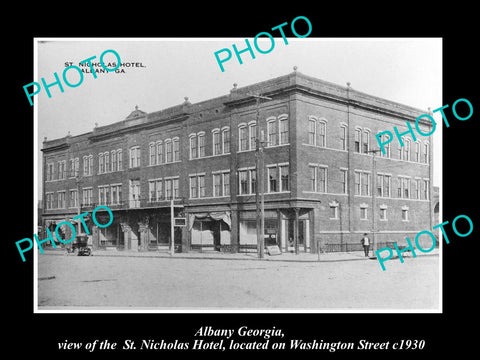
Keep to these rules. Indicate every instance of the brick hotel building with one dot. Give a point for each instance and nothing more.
(318, 171)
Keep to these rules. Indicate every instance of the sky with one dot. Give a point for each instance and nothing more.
(404, 70)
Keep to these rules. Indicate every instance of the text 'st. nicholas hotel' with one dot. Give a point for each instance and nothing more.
(318, 170)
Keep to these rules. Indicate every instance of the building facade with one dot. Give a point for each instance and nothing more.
(323, 184)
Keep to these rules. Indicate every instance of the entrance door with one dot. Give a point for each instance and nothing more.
(303, 234)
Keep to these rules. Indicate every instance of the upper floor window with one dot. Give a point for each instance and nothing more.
(317, 131)
(362, 141)
(135, 156)
(197, 186)
(62, 169)
(277, 130)
(74, 167)
(278, 178)
(343, 137)
(87, 165)
(197, 145)
(243, 138)
(226, 139)
(362, 183)
(176, 149)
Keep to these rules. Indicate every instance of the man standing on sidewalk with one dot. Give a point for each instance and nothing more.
(366, 243)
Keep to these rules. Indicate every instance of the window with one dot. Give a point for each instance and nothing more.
(404, 187)
(201, 185)
(201, 144)
(168, 189)
(106, 157)
(318, 178)
(322, 179)
(197, 186)
(217, 145)
(226, 140)
(425, 153)
(87, 196)
(363, 212)
(160, 158)
(134, 156)
(74, 165)
(217, 185)
(357, 183)
(418, 184)
(61, 170)
(362, 183)
(226, 184)
(114, 160)
(272, 131)
(426, 188)
(153, 154)
(221, 184)
(404, 213)
(283, 124)
(366, 141)
(104, 195)
(247, 180)
(88, 165)
(49, 201)
(312, 131)
(284, 185)
(134, 195)
(365, 183)
(50, 171)
(155, 190)
(322, 134)
(243, 138)
(252, 134)
(384, 138)
(176, 149)
(333, 210)
(278, 178)
(358, 139)
(253, 181)
(61, 199)
(116, 192)
(243, 182)
(383, 185)
(343, 137)
(73, 198)
(176, 189)
(406, 149)
(169, 151)
(193, 187)
(193, 146)
(119, 160)
(383, 213)
(344, 180)
(417, 152)
(273, 179)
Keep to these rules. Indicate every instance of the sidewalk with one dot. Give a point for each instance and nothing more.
(215, 255)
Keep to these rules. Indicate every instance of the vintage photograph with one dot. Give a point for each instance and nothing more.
(168, 185)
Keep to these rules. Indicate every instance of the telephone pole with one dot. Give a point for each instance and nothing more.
(259, 187)
(374, 198)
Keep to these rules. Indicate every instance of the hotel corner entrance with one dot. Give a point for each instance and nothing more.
(295, 227)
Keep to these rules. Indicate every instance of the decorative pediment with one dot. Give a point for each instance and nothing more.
(136, 113)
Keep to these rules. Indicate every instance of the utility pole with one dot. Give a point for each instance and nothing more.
(374, 198)
(259, 187)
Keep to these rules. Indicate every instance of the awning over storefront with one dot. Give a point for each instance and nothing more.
(214, 215)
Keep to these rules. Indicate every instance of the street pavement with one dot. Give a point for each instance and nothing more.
(158, 281)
